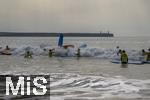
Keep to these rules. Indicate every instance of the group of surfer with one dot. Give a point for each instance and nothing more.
(28, 54)
(145, 56)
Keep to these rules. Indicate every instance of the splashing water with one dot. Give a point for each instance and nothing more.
(71, 52)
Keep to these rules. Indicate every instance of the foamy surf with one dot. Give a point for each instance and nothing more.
(71, 52)
(72, 86)
(91, 87)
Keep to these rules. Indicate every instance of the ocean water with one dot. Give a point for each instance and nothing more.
(91, 77)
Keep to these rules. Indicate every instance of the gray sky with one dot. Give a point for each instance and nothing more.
(122, 17)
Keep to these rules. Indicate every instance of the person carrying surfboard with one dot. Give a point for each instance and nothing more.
(124, 57)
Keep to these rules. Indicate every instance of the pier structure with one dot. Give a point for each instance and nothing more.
(52, 34)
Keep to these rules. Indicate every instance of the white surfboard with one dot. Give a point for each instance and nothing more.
(129, 62)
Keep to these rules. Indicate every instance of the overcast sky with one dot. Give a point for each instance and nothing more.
(122, 17)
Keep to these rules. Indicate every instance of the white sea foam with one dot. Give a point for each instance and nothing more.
(71, 52)
(89, 87)
(72, 86)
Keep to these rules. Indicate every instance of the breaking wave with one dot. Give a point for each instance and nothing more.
(71, 52)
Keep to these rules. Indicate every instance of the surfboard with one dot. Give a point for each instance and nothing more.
(129, 62)
(66, 46)
(5, 52)
(146, 62)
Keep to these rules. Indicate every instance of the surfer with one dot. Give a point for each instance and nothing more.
(117, 47)
(78, 53)
(143, 56)
(44, 50)
(7, 48)
(50, 53)
(6, 51)
(119, 52)
(124, 57)
(143, 52)
(28, 54)
(148, 55)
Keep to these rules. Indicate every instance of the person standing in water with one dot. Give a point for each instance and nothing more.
(119, 52)
(28, 54)
(124, 57)
(143, 56)
(78, 53)
(51, 52)
(148, 55)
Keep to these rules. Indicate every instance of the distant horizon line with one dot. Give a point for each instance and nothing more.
(53, 34)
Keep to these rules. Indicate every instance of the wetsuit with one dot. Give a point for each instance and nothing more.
(50, 53)
(148, 56)
(28, 55)
(78, 53)
(124, 58)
